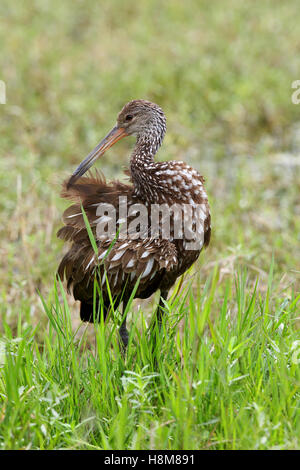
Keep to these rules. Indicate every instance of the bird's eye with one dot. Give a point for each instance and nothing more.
(128, 117)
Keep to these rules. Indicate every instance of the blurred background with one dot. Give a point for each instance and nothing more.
(222, 71)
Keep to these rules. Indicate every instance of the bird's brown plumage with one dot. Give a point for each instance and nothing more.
(155, 261)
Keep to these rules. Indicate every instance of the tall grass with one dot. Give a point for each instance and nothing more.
(226, 381)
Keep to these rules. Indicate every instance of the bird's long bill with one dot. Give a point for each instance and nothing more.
(110, 139)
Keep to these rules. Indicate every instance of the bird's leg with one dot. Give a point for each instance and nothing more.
(157, 320)
(124, 335)
(160, 308)
(123, 332)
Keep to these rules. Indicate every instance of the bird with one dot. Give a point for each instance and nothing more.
(137, 261)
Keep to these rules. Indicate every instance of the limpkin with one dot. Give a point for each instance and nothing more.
(155, 261)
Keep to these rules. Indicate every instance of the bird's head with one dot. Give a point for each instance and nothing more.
(141, 118)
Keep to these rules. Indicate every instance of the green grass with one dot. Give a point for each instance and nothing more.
(227, 375)
(229, 382)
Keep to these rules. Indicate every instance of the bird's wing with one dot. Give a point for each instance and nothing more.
(119, 260)
(121, 263)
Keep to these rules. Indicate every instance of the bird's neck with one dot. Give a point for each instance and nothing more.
(145, 148)
(142, 158)
(142, 162)
(147, 144)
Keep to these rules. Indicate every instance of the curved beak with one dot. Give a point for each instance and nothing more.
(110, 139)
